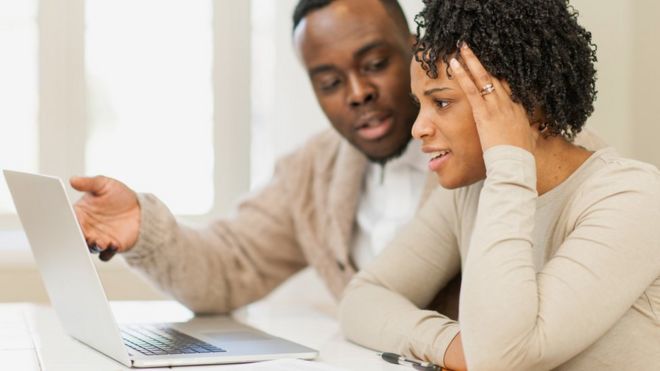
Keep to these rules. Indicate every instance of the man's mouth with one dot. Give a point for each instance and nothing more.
(374, 126)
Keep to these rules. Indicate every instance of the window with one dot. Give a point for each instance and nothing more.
(18, 90)
(150, 98)
(133, 89)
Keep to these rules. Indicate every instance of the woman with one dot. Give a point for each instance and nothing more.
(559, 247)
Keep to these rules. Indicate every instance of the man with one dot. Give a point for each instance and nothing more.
(333, 204)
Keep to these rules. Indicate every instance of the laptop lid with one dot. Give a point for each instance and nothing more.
(61, 254)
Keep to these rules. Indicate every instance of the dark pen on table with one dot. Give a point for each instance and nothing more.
(417, 365)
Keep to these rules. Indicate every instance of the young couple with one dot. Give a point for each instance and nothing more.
(558, 246)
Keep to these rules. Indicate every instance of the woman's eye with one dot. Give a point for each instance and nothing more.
(441, 103)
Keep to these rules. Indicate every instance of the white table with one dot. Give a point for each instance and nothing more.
(31, 337)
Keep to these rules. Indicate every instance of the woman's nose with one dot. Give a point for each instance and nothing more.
(422, 127)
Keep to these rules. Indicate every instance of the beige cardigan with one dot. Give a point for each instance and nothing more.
(593, 302)
(304, 216)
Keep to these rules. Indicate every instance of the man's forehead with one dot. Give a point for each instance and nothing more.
(349, 11)
(344, 26)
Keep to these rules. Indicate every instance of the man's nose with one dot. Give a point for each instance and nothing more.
(361, 91)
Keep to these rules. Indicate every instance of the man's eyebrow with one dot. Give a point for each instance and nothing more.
(434, 90)
(320, 69)
(369, 47)
(358, 54)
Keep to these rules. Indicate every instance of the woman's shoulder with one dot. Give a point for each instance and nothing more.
(609, 174)
(612, 168)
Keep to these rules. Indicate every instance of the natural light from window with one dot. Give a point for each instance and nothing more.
(18, 91)
(150, 98)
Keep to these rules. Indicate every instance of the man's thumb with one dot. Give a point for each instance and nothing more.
(88, 184)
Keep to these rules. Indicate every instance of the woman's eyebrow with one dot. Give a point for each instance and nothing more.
(434, 90)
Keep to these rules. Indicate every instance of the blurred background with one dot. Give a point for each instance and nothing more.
(194, 100)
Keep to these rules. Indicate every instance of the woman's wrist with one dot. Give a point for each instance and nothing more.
(454, 359)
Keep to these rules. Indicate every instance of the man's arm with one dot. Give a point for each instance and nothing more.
(225, 265)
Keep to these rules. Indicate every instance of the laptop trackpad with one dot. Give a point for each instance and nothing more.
(236, 336)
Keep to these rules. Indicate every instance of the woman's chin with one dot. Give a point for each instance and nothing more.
(446, 182)
(454, 182)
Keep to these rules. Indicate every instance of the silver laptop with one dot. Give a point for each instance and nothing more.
(77, 295)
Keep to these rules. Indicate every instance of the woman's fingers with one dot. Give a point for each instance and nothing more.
(481, 77)
(469, 88)
(499, 119)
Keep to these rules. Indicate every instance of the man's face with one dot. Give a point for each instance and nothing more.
(358, 57)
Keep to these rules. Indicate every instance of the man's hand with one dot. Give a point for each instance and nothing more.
(108, 213)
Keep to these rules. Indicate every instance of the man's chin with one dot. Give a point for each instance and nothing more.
(388, 155)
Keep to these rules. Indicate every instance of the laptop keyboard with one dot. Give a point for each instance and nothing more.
(161, 340)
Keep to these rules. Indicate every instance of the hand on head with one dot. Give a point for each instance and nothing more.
(108, 213)
(499, 119)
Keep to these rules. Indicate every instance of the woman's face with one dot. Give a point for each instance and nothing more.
(447, 129)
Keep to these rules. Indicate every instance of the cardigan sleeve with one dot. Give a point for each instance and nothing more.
(514, 318)
(380, 308)
(230, 262)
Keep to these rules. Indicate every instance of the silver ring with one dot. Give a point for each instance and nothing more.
(487, 89)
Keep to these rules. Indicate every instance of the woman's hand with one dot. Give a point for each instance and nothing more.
(454, 358)
(499, 119)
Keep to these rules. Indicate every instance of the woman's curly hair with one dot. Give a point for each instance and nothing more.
(537, 46)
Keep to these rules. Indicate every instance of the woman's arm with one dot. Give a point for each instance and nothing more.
(514, 317)
(381, 306)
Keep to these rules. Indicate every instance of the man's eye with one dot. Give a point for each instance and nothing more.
(329, 85)
(377, 64)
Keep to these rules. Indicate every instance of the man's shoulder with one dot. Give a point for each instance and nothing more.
(323, 141)
(321, 150)
(320, 153)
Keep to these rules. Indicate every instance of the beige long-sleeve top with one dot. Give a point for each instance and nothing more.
(568, 280)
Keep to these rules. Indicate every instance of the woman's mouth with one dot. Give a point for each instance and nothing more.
(438, 158)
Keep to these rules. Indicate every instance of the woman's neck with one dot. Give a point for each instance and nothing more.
(556, 160)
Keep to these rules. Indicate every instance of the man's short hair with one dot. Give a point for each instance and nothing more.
(304, 7)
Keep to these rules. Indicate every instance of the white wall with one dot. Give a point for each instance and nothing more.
(613, 108)
(645, 120)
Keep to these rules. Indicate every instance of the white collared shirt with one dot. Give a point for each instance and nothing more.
(390, 196)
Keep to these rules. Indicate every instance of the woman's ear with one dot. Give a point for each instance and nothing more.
(538, 118)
